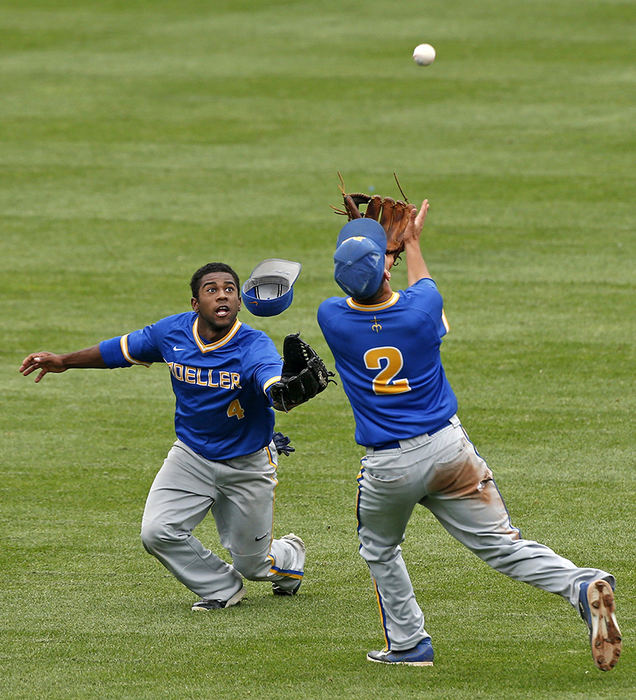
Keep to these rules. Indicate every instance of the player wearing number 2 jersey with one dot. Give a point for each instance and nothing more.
(386, 346)
(372, 366)
(224, 459)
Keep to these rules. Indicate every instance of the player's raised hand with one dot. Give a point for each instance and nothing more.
(44, 361)
(415, 263)
(416, 223)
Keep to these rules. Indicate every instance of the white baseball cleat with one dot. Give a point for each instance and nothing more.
(597, 608)
(420, 655)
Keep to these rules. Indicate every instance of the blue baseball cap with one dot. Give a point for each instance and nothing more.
(359, 258)
(270, 287)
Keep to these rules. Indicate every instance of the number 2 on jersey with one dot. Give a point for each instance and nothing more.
(235, 409)
(384, 382)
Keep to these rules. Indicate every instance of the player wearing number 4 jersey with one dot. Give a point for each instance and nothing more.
(224, 458)
(386, 346)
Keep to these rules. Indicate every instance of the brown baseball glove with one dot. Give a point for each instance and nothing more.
(393, 215)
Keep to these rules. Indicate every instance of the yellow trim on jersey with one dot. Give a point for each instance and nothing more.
(373, 307)
(123, 344)
(385, 305)
(208, 347)
(269, 382)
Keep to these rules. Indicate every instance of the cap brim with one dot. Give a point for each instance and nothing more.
(272, 270)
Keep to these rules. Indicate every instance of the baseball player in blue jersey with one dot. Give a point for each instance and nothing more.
(386, 346)
(224, 459)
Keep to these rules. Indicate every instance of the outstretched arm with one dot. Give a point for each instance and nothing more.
(50, 362)
(415, 263)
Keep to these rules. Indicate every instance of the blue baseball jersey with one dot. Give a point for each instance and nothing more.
(388, 358)
(222, 406)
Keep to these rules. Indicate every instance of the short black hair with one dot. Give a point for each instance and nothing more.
(195, 282)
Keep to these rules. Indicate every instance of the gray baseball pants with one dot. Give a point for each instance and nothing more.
(240, 495)
(444, 473)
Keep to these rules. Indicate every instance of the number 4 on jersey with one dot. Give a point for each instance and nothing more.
(235, 410)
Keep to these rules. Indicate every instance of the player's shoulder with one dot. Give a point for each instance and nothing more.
(255, 347)
(246, 336)
(328, 306)
(248, 333)
(426, 284)
(332, 301)
(423, 290)
(424, 299)
(184, 319)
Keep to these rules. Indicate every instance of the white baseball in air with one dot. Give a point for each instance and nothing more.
(424, 55)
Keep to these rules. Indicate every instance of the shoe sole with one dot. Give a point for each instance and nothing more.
(605, 638)
(399, 663)
(234, 600)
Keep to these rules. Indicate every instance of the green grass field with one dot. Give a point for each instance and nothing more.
(139, 140)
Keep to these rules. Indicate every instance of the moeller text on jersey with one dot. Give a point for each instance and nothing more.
(215, 379)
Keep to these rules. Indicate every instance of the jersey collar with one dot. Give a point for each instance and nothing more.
(374, 307)
(208, 347)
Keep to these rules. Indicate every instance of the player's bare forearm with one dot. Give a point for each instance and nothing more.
(45, 362)
(415, 263)
(417, 268)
